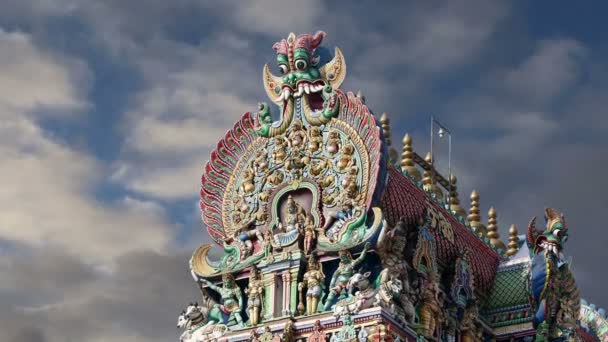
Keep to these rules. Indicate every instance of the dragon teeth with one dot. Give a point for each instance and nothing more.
(307, 89)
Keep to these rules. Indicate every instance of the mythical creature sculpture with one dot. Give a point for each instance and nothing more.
(199, 325)
(554, 294)
(394, 293)
(340, 278)
(303, 81)
(364, 298)
(312, 281)
(232, 298)
(255, 293)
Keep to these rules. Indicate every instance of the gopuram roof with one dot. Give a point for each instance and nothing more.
(325, 234)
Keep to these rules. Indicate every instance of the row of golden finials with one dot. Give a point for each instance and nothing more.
(430, 178)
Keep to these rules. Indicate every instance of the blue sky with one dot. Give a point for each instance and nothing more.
(108, 111)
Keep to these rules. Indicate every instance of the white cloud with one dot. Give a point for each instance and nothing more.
(551, 69)
(32, 77)
(47, 197)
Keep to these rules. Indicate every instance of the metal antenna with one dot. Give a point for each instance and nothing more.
(442, 132)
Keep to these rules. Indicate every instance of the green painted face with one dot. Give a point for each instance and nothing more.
(302, 70)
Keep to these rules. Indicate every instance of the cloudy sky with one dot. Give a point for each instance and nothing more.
(108, 110)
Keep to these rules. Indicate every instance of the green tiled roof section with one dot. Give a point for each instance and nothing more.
(509, 289)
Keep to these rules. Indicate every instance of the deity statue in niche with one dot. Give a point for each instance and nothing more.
(292, 216)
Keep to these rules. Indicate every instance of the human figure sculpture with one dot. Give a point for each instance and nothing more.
(333, 142)
(312, 281)
(231, 297)
(255, 301)
(315, 140)
(310, 235)
(431, 306)
(345, 270)
(297, 137)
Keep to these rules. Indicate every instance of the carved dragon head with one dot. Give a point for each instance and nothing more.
(553, 238)
(301, 74)
(302, 78)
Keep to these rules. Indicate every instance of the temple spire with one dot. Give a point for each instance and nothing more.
(407, 159)
(492, 233)
(474, 216)
(428, 179)
(386, 130)
(513, 241)
(454, 201)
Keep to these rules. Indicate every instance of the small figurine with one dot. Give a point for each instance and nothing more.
(315, 140)
(346, 158)
(310, 235)
(248, 181)
(333, 142)
(276, 177)
(297, 137)
(260, 162)
(317, 334)
(280, 150)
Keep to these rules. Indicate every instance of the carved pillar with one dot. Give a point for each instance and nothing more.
(270, 286)
(286, 293)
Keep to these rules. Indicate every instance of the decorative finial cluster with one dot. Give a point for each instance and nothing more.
(474, 216)
(407, 159)
(513, 241)
(386, 130)
(428, 179)
(454, 201)
(493, 230)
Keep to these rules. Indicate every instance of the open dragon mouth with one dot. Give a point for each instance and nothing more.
(542, 244)
(312, 91)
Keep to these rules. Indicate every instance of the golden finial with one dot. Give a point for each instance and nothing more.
(386, 130)
(493, 231)
(454, 201)
(407, 159)
(474, 217)
(513, 241)
(428, 180)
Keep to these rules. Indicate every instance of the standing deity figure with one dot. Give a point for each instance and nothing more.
(310, 235)
(255, 301)
(467, 325)
(232, 298)
(313, 283)
(345, 270)
(430, 310)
